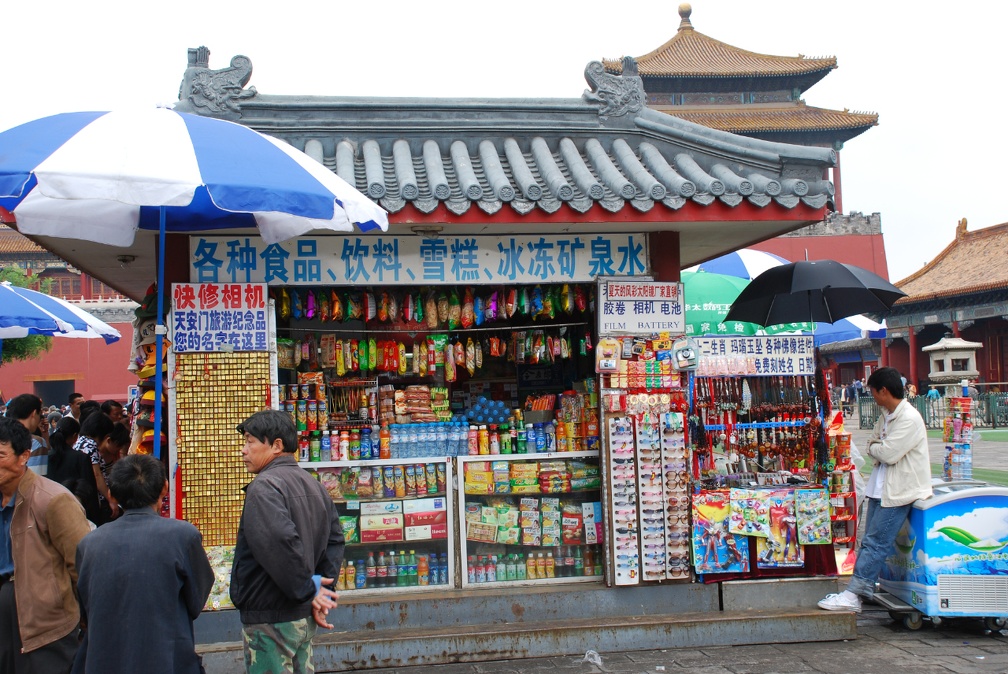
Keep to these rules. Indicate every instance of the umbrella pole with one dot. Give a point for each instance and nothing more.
(159, 332)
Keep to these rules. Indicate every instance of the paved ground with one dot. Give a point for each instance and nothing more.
(882, 646)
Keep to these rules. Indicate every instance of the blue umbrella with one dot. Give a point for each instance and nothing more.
(746, 263)
(99, 176)
(24, 312)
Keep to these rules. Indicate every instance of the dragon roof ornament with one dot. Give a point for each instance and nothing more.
(215, 93)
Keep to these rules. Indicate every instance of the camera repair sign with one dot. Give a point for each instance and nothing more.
(640, 308)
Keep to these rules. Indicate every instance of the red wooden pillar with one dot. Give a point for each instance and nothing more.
(912, 340)
(884, 354)
(664, 251)
(838, 192)
(956, 332)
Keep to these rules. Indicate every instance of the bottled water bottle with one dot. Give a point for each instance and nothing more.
(412, 440)
(442, 440)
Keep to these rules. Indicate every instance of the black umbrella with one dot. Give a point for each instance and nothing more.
(822, 290)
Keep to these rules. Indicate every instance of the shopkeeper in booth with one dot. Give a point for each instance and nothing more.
(902, 475)
(289, 548)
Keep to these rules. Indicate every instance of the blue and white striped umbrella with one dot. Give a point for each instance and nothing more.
(745, 263)
(24, 312)
(99, 176)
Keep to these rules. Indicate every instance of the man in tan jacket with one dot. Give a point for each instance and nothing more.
(902, 475)
(41, 524)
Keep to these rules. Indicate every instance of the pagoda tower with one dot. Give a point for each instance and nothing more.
(703, 80)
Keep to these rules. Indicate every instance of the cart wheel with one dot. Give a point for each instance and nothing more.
(913, 621)
(995, 624)
(896, 615)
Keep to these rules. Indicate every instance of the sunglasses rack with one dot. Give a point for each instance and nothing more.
(675, 480)
(623, 471)
(651, 496)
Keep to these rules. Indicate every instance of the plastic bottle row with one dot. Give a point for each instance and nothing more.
(411, 441)
(390, 569)
(564, 562)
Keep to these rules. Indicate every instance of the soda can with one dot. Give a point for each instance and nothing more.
(411, 483)
(323, 414)
(389, 482)
(302, 415)
(442, 477)
(431, 470)
(292, 392)
(311, 418)
(291, 408)
(378, 482)
(400, 481)
(305, 391)
(421, 479)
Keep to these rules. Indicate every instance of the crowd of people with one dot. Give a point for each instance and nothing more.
(92, 579)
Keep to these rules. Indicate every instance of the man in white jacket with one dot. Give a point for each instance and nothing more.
(902, 475)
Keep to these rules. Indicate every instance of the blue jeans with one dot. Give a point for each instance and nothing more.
(881, 526)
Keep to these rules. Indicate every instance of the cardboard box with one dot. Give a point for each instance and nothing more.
(372, 522)
(423, 505)
(380, 507)
(381, 535)
(426, 518)
(426, 532)
(477, 531)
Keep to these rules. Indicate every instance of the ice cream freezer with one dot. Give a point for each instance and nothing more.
(951, 556)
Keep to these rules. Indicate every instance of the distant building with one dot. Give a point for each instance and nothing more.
(706, 81)
(964, 290)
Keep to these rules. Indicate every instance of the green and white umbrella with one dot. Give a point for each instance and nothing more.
(709, 296)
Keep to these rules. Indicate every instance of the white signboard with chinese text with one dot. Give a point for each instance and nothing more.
(219, 317)
(628, 307)
(787, 355)
(413, 260)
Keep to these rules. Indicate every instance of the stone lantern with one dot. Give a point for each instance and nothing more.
(952, 360)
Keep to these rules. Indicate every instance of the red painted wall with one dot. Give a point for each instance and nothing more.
(864, 250)
(97, 370)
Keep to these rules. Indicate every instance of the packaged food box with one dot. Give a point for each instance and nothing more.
(421, 505)
(381, 535)
(381, 507)
(426, 532)
(478, 531)
(531, 535)
(426, 518)
(385, 521)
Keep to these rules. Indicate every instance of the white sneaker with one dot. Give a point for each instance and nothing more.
(838, 602)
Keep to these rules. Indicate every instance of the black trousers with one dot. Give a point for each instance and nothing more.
(55, 657)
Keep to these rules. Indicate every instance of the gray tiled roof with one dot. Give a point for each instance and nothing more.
(606, 148)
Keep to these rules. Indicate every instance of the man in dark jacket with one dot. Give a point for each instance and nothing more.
(143, 580)
(289, 548)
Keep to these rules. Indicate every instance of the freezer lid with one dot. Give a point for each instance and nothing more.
(965, 489)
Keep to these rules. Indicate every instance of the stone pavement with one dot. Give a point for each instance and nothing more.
(882, 646)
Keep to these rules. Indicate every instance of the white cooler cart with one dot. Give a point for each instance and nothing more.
(951, 558)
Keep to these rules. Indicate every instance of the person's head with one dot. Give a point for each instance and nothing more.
(15, 446)
(27, 409)
(113, 409)
(73, 403)
(87, 408)
(97, 427)
(138, 481)
(64, 433)
(268, 434)
(53, 418)
(886, 387)
(116, 444)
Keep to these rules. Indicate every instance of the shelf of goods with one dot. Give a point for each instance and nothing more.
(843, 495)
(649, 500)
(396, 520)
(530, 519)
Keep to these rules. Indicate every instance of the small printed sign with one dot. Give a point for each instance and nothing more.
(640, 308)
(219, 317)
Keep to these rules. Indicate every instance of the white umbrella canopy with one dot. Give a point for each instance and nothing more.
(101, 176)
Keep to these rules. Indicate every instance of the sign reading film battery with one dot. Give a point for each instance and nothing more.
(640, 308)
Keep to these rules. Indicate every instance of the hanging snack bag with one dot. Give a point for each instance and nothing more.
(442, 306)
(424, 356)
(490, 307)
(383, 307)
(519, 347)
(449, 363)
(401, 355)
(416, 358)
(580, 300)
(372, 354)
(296, 310)
(454, 311)
(310, 305)
(418, 307)
(459, 353)
(323, 302)
(393, 308)
(362, 355)
(479, 356)
(338, 358)
(285, 304)
(470, 359)
(566, 299)
(355, 355)
(511, 303)
(468, 309)
(536, 307)
(370, 307)
(407, 308)
(523, 302)
(337, 306)
(478, 308)
(431, 310)
(353, 307)
(547, 310)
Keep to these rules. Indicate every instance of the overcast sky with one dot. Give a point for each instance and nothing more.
(933, 71)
